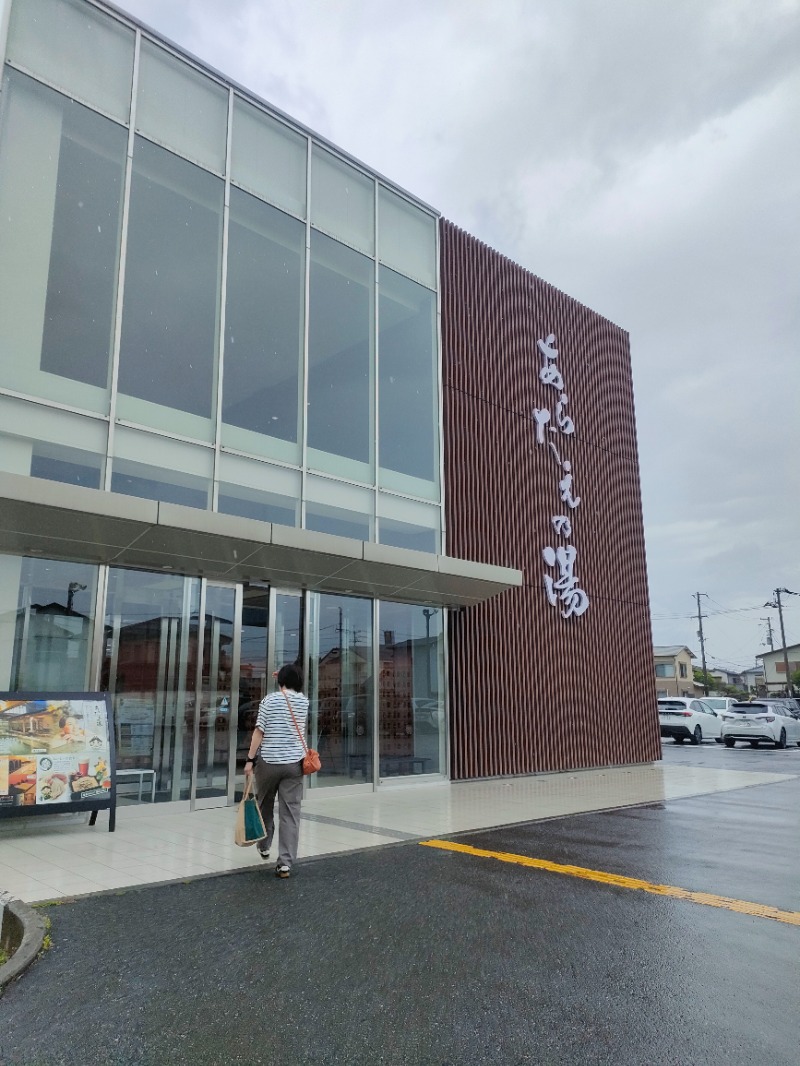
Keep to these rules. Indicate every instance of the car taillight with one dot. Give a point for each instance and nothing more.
(767, 717)
(685, 714)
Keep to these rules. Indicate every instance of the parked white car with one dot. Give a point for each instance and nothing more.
(721, 704)
(688, 719)
(761, 720)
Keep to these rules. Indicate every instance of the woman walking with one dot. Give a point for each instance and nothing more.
(276, 755)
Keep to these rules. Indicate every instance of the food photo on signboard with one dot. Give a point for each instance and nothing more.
(53, 752)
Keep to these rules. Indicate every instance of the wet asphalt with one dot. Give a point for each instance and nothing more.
(409, 955)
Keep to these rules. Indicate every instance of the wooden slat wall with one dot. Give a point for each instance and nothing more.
(531, 691)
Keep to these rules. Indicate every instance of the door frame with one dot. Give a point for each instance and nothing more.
(227, 799)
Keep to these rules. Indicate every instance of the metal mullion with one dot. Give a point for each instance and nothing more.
(160, 695)
(5, 21)
(181, 691)
(236, 665)
(376, 696)
(213, 686)
(446, 688)
(307, 310)
(98, 641)
(440, 385)
(223, 290)
(198, 690)
(23, 651)
(376, 366)
(123, 251)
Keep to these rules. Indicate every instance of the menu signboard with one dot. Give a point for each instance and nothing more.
(56, 753)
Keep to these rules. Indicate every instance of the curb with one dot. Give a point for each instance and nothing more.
(23, 927)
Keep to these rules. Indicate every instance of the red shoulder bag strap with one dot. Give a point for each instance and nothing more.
(297, 727)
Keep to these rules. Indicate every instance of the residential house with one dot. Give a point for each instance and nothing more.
(673, 670)
(775, 667)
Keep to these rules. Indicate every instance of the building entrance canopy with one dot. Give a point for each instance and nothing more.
(60, 521)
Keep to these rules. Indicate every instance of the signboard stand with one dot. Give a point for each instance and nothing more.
(57, 754)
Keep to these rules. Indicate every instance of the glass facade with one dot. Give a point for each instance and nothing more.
(179, 260)
(187, 662)
(202, 304)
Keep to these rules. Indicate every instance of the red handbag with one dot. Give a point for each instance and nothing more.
(311, 759)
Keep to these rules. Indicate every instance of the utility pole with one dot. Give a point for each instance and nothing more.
(700, 617)
(770, 642)
(779, 605)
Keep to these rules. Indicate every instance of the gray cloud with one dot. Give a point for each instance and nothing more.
(642, 157)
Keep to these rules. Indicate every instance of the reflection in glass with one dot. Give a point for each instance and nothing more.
(260, 657)
(252, 669)
(61, 171)
(341, 310)
(340, 688)
(262, 506)
(323, 518)
(263, 319)
(213, 724)
(408, 535)
(71, 466)
(411, 708)
(154, 483)
(149, 667)
(409, 410)
(169, 321)
(54, 623)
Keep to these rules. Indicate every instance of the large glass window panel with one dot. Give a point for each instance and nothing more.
(322, 518)
(408, 381)
(342, 201)
(260, 655)
(149, 667)
(334, 507)
(409, 523)
(411, 710)
(171, 302)
(211, 733)
(252, 665)
(156, 468)
(257, 490)
(49, 607)
(341, 688)
(61, 176)
(181, 108)
(408, 535)
(48, 443)
(341, 360)
(77, 48)
(407, 238)
(268, 158)
(262, 376)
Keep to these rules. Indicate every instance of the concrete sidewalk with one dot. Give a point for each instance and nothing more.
(47, 858)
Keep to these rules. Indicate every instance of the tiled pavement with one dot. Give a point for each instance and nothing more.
(48, 858)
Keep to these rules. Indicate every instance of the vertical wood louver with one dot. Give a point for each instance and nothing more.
(530, 690)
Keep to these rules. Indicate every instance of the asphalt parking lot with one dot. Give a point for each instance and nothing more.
(414, 954)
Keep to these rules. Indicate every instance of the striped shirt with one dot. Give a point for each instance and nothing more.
(281, 744)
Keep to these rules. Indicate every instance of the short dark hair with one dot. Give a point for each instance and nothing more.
(290, 676)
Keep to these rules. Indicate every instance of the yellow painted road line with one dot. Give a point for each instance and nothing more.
(758, 910)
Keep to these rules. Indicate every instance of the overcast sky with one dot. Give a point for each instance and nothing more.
(644, 158)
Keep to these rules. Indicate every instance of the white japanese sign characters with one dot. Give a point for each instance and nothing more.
(553, 423)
